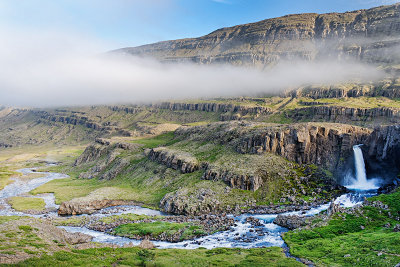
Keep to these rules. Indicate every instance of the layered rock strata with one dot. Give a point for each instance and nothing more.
(215, 107)
(176, 160)
(234, 180)
(335, 113)
(365, 35)
(382, 151)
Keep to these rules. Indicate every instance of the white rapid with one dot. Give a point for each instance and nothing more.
(360, 181)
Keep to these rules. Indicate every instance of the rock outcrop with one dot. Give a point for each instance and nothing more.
(129, 110)
(344, 114)
(366, 35)
(389, 88)
(204, 201)
(305, 143)
(74, 120)
(382, 151)
(234, 180)
(177, 160)
(105, 156)
(89, 207)
(4, 145)
(240, 110)
(290, 221)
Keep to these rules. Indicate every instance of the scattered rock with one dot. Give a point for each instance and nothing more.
(89, 207)
(146, 244)
(77, 238)
(334, 208)
(290, 221)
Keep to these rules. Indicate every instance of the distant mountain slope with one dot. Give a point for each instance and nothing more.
(371, 35)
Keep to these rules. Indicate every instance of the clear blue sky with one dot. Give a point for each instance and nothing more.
(122, 23)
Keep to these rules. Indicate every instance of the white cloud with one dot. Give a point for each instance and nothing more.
(55, 69)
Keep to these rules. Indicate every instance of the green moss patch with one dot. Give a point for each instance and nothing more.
(5, 175)
(157, 228)
(27, 203)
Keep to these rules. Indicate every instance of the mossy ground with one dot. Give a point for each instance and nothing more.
(156, 228)
(362, 238)
(4, 219)
(27, 203)
(5, 175)
(169, 257)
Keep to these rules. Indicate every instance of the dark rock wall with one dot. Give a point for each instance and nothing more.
(306, 144)
(382, 153)
(343, 114)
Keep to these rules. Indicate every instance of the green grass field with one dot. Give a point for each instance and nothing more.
(27, 203)
(363, 238)
(166, 257)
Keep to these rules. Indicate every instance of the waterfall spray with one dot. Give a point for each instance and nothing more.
(360, 182)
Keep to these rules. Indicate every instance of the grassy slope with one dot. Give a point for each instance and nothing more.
(148, 182)
(358, 239)
(168, 257)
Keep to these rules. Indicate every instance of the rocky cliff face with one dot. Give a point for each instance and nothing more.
(215, 107)
(183, 162)
(104, 156)
(389, 88)
(74, 120)
(129, 110)
(382, 152)
(326, 145)
(343, 114)
(186, 163)
(234, 180)
(366, 35)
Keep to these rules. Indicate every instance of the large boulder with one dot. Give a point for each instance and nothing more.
(290, 221)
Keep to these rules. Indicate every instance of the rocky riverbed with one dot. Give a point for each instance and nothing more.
(108, 225)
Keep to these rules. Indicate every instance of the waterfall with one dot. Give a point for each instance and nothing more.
(360, 181)
(361, 174)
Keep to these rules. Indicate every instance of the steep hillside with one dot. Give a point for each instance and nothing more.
(367, 35)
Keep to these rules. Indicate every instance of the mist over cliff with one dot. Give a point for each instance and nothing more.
(362, 35)
(45, 69)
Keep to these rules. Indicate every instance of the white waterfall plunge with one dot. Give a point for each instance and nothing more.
(360, 182)
(361, 174)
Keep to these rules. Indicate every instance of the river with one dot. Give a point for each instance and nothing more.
(241, 235)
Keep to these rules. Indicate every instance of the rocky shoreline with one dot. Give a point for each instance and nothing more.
(90, 207)
(207, 224)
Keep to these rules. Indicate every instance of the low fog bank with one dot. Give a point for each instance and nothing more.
(39, 70)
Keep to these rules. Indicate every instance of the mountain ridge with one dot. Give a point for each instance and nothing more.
(306, 36)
